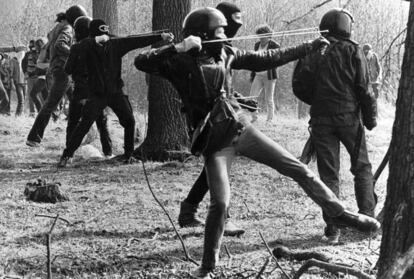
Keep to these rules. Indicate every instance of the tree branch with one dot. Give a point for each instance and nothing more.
(48, 254)
(392, 42)
(332, 268)
(288, 22)
(187, 255)
(273, 256)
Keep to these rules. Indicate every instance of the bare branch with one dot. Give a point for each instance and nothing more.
(288, 22)
(54, 217)
(48, 254)
(332, 268)
(263, 268)
(187, 255)
(271, 254)
(392, 42)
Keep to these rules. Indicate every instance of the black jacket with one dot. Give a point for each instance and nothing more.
(184, 72)
(342, 82)
(76, 66)
(271, 73)
(104, 62)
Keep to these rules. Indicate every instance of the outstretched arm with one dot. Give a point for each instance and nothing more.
(261, 61)
(126, 44)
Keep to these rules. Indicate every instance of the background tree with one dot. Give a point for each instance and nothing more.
(108, 11)
(398, 224)
(167, 133)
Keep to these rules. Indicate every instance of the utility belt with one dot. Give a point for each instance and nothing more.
(217, 130)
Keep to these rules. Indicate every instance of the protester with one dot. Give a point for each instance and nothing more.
(29, 70)
(104, 64)
(4, 95)
(374, 68)
(76, 67)
(188, 210)
(39, 91)
(265, 80)
(7, 81)
(339, 78)
(60, 40)
(221, 130)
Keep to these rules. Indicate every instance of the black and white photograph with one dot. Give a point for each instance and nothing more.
(267, 139)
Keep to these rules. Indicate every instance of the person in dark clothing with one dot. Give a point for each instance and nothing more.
(188, 209)
(4, 96)
(220, 131)
(60, 41)
(340, 97)
(29, 69)
(38, 92)
(76, 66)
(104, 63)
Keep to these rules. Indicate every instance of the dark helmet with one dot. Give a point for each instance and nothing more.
(74, 12)
(233, 24)
(338, 22)
(98, 27)
(81, 27)
(203, 22)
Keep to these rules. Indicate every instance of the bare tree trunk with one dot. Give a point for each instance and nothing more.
(106, 10)
(167, 136)
(398, 224)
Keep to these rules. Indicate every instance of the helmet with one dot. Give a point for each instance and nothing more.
(81, 27)
(203, 22)
(74, 12)
(233, 24)
(338, 22)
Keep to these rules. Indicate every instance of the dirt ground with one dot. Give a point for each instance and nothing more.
(116, 230)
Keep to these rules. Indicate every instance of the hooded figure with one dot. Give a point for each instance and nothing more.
(232, 13)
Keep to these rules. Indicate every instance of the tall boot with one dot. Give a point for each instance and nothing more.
(187, 217)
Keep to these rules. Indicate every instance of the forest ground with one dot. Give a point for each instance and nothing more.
(118, 231)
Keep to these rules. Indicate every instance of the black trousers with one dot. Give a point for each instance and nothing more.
(198, 190)
(39, 86)
(93, 108)
(327, 139)
(76, 107)
(60, 86)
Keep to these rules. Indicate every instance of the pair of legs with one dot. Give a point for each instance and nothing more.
(92, 110)
(255, 145)
(261, 82)
(4, 98)
(38, 93)
(327, 139)
(60, 85)
(76, 107)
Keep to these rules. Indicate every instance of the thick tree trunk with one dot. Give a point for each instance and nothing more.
(398, 224)
(108, 11)
(167, 131)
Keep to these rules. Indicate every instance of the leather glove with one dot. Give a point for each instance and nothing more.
(169, 37)
(319, 43)
(370, 124)
(191, 42)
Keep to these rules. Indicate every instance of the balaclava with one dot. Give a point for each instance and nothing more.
(228, 9)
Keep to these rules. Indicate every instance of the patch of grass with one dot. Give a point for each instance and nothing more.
(119, 231)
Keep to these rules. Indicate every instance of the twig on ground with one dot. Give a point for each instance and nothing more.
(245, 204)
(332, 268)
(54, 217)
(132, 239)
(229, 255)
(187, 255)
(48, 254)
(271, 254)
(259, 275)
